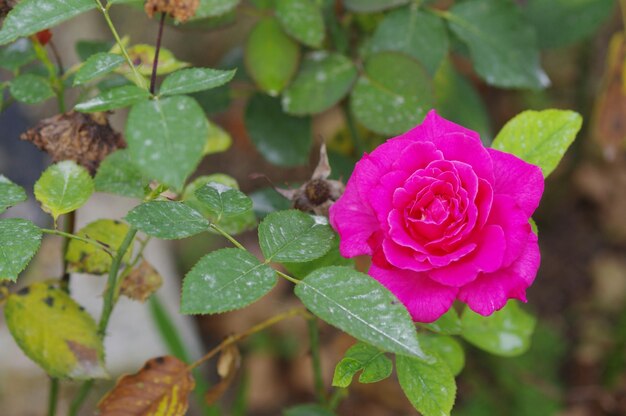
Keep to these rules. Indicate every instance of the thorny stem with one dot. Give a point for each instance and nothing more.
(314, 341)
(233, 339)
(155, 64)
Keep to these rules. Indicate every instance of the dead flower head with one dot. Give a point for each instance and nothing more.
(181, 10)
(84, 138)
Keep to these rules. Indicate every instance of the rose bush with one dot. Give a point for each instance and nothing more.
(443, 218)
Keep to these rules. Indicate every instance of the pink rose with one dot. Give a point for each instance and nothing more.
(443, 218)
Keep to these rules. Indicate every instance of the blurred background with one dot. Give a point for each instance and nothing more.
(577, 364)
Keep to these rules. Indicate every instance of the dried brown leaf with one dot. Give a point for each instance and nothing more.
(227, 366)
(181, 10)
(84, 138)
(142, 282)
(161, 387)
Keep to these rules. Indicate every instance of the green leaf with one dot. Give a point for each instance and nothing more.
(539, 137)
(86, 258)
(368, 6)
(167, 220)
(502, 43)
(458, 100)
(294, 236)
(271, 56)
(225, 280)
(447, 348)
(86, 48)
(324, 79)
(448, 324)
(507, 332)
(414, 32)
(156, 141)
(214, 101)
(303, 20)
(96, 66)
(308, 410)
(560, 23)
(372, 361)
(30, 16)
(17, 54)
(267, 200)
(427, 383)
(119, 97)
(10, 194)
(55, 332)
(117, 175)
(210, 8)
(362, 307)
(31, 89)
(282, 139)
(63, 187)
(187, 81)
(223, 201)
(143, 57)
(218, 141)
(393, 95)
(332, 258)
(19, 241)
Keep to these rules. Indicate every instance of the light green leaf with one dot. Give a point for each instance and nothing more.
(540, 137)
(294, 236)
(448, 349)
(225, 280)
(117, 175)
(31, 89)
(167, 220)
(507, 332)
(502, 43)
(374, 363)
(359, 305)
(86, 258)
(187, 81)
(427, 383)
(308, 410)
(332, 258)
(303, 20)
(223, 201)
(211, 8)
(271, 56)
(393, 95)
(282, 139)
(119, 97)
(31, 16)
(368, 6)
(96, 66)
(166, 138)
(19, 241)
(143, 57)
(218, 141)
(448, 324)
(414, 32)
(324, 79)
(55, 332)
(10, 194)
(63, 187)
(17, 54)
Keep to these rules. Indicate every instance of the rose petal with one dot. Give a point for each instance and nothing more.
(425, 300)
(490, 291)
(506, 213)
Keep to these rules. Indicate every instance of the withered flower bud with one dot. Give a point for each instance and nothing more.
(141, 282)
(181, 10)
(84, 138)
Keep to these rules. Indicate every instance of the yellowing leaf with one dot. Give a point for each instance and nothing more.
(55, 332)
(218, 141)
(143, 58)
(160, 388)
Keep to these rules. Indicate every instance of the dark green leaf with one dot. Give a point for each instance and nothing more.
(215, 100)
(10, 194)
(303, 20)
(507, 332)
(448, 349)
(308, 410)
(19, 241)
(393, 95)
(225, 280)
(282, 139)
(166, 138)
(294, 236)
(86, 48)
(362, 307)
(448, 324)
(167, 220)
(96, 66)
(210, 8)
(17, 54)
(117, 175)
(119, 97)
(222, 200)
(366, 6)
(414, 32)
(267, 200)
(502, 43)
(271, 56)
(187, 81)
(31, 89)
(372, 361)
(332, 258)
(63, 187)
(324, 79)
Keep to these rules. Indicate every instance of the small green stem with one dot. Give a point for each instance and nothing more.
(314, 340)
(53, 396)
(286, 276)
(70, 222)
(336, 398)
(79, 238)
(55, 80)
(80, 397)
(227, 236)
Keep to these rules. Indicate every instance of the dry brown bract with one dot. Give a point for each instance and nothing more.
(141, 282)
(84, 138)
(181, 10)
